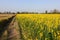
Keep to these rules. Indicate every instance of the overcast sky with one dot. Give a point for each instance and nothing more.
(29, 5)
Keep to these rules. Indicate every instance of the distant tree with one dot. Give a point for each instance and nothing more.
(54, 11)
(46, 11)
(13, 12)
(18, 12)
(7, 12)
(0, 12)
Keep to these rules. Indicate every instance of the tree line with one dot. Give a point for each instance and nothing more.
(55, 11)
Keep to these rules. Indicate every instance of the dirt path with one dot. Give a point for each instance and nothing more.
(4, 26)
(10, 29)
(13, 30)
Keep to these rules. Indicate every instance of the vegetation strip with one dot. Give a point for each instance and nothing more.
(39, 26)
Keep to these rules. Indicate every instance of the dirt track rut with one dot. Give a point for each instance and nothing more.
(12, 30)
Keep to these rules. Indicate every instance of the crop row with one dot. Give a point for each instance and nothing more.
(39, 27)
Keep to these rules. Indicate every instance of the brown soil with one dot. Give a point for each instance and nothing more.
(5, 16)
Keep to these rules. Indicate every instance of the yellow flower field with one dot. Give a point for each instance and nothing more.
(39, 26)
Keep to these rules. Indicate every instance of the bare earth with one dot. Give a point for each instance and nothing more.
(5, 16)
(13, 28)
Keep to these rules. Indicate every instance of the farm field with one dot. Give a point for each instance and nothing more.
(29, 19)
(39, 26)
(30, 26)
(5, 16)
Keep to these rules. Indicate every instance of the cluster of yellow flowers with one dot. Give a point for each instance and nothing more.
(40, 26)
(46, 18)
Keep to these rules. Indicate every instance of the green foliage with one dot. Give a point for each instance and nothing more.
(31, 30)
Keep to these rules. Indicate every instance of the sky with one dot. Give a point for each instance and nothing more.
(29, 5)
